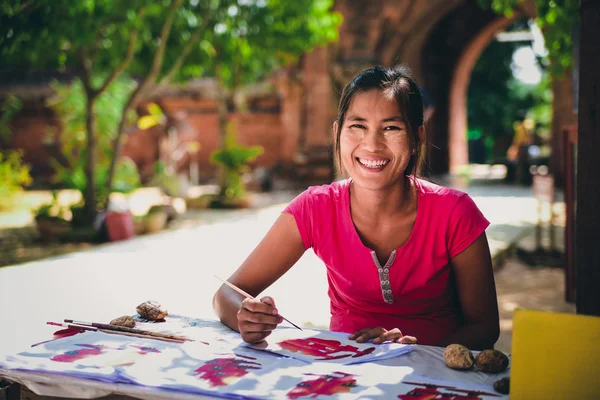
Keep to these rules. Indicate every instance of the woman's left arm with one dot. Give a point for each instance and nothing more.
(474, 279)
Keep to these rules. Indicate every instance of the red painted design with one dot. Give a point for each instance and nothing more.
(67, 332)
(216, 371)
(324, 385)
(431, 391)
(145, 350)
(323, 348)
(60, 334)
(74, 355)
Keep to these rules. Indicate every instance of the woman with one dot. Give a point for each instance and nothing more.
(406, 259)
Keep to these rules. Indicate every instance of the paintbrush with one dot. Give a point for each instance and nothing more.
(74, 326)
(126, 330)
(96, 329)
(249, 296)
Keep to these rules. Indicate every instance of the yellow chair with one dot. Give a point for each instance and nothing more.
(555, 356)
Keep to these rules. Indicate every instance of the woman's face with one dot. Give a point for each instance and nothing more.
(375, 144)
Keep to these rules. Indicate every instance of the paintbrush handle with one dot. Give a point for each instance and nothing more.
(118, 328)
(249, 296)
(141, 335)
(75, 326)
(237, 289)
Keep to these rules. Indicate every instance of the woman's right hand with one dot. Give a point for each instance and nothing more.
(257, 318)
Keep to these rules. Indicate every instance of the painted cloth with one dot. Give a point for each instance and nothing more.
(414, 290)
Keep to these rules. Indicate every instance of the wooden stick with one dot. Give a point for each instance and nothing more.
(249, 296)
(74, 326)
(117, 328)
(142, 336)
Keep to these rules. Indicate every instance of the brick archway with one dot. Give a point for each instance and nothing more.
(457, 108)
(459, 84)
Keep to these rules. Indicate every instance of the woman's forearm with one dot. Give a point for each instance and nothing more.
(474, 337)
(227, 305)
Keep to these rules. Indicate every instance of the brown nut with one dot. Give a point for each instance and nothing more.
(502, 385)
(491, 360)
(458, 356)
(125, 320)
(152, 310)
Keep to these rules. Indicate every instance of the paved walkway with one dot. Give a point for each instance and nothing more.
(177, 267)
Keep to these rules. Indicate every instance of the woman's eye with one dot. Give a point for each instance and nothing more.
(359, 126)
(392, 128)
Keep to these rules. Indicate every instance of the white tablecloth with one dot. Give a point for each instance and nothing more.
(424, 361)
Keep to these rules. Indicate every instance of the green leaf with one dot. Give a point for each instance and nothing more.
(556, 18)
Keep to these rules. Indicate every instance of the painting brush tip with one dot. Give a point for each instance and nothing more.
(243, 293)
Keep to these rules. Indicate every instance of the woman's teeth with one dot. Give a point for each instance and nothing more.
(373, 164)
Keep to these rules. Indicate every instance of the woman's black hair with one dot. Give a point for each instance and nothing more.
(401, 86)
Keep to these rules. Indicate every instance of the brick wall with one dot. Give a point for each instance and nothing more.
(29, 127)
(196, 120)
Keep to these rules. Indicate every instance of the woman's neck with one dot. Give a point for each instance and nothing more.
(380, 204)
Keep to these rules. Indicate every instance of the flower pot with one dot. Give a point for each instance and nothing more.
(52, 229)
(240, 202)
(119, 225)
(139, 226)
(156, 221)
(199, 203)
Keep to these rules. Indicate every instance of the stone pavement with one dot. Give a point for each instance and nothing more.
(522, 285)
(177, 267)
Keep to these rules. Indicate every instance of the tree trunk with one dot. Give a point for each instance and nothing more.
(117, 145)
(223, 119)
(90, 193)
(148, 81)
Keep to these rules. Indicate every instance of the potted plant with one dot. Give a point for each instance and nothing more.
(233, 159)
(156, 220)
(50, 221)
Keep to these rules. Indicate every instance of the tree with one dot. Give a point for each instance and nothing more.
(159, 42)
(556, 18)
(496, 97)
(96, 39)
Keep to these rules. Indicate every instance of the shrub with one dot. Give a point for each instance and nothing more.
(234, 159)
(14, 175)
(51, 210)
(68, 103)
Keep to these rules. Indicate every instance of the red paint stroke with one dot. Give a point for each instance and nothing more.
(67, 332)
(326, 385)
(216, 371)
(74, 355)
(145, 350)
(323, 348)
(430, 391)
(61, 334)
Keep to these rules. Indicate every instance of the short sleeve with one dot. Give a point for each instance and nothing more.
(466, 224)
(300, 208)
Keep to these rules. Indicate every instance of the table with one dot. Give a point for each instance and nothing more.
(422, 363)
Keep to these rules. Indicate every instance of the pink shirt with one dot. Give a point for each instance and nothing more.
(414, 290)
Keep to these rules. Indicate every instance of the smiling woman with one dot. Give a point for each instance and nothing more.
(388, 104)
(375, 141)
(406, 259)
